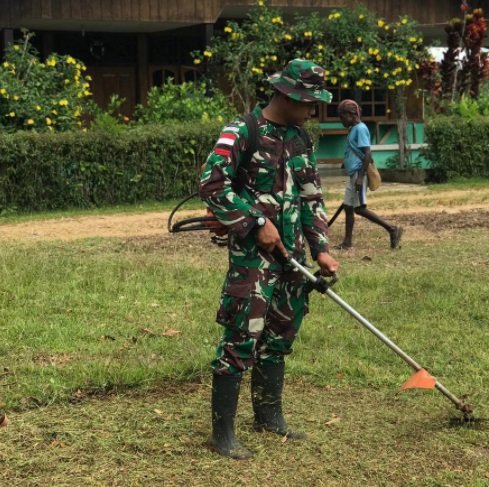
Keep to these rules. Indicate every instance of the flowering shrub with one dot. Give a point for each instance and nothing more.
(41, 96)
(356, 49)
(185, 102)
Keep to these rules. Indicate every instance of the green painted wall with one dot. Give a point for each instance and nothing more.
(332, 146)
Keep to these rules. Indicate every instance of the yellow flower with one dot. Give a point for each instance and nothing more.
(342, 74)
(404, 21)
(16, 97)
(51, 62)
(273, 58)
(11, 114)
(391, 87)
(38, 108)
(287, 37)
(63, 103)
(70, 60)
(88, 78)
(277, 20)
(308, 34)
(412, 39)
(228, 29)
(197, 61)
(67, 81)
(344, 85)
(420, 39)
(6, 65)
(16, 48)
(361, 17)
(30, 122)
(378, 58)
(54, 112)
(386, 75)
(261, 3)
(256, 70)
(387, 27)
(353, 60)
(380, 23)
(359, 39)
(87, 93)
(77, 113)
(208, 54)
(3, 91)
(334, 80)
(48, 121)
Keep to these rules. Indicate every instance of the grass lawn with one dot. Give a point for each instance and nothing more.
(106, 344)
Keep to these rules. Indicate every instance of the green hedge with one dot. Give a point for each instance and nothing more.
(65, 170)
(458, 146)
(56, 171)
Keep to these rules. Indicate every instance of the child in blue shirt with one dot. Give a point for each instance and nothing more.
(356, 160)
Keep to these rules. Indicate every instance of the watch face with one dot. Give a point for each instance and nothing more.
(260, 221)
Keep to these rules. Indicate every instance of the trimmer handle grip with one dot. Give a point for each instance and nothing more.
(316, 281)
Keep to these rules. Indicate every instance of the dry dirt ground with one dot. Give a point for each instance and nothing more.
(423, 212)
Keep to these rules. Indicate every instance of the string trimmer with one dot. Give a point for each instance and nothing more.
(420, 379)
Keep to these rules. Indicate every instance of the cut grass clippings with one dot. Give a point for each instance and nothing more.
(355, 437)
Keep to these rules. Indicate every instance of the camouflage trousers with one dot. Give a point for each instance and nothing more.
(261, 311)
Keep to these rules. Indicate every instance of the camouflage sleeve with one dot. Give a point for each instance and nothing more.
(313, 212)
(216, 181)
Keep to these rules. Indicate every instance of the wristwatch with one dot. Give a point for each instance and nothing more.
(260, 221)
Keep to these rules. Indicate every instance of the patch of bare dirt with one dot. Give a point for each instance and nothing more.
(454, 209)
(444, 220)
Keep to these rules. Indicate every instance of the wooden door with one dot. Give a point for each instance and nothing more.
(108, 81)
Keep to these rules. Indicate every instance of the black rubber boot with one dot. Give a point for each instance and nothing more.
(267, 383)
(225, 393)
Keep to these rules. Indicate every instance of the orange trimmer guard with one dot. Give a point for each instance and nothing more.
(419, 380)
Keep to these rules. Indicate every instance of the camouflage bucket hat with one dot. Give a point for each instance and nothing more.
(301, 80)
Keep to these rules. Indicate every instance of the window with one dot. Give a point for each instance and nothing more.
(374, 103)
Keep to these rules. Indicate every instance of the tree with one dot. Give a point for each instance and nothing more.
(464, 66)
(357, 49)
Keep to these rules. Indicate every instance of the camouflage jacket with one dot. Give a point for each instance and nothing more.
(280, 182)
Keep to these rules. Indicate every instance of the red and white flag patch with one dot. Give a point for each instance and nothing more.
(226, 139)
(225, 143)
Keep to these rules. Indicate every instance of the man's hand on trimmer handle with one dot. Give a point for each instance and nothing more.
(268, 238)
(327, 264)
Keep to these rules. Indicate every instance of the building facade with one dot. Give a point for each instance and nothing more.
(129, 46)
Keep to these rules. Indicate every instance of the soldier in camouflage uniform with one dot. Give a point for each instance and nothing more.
(271, 202)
